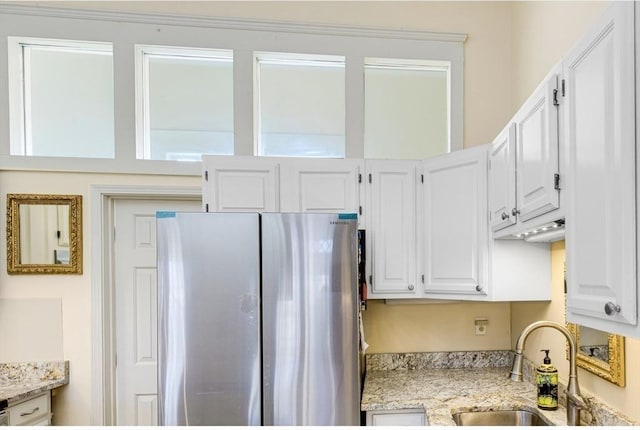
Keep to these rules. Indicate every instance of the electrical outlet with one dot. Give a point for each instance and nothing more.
(481, 326)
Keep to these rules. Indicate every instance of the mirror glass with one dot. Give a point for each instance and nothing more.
(43, 233)
(600, 353)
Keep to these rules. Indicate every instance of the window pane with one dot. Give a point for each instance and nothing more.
(190, 107)
(406, 113)
(302, 109)
(68, 102)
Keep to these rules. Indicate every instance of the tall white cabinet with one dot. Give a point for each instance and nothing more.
(455, 223)
(391, 228)
(537, 154)
(600, 135)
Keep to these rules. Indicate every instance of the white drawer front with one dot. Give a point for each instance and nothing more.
(32, 410)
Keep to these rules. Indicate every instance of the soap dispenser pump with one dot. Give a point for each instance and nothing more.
(547, 382)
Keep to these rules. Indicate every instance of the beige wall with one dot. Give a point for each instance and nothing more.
(73, 402)
(541, 33)
(435, 327)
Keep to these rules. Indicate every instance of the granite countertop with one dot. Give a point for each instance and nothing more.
(19, 381)
(444, 383)
(444, 391)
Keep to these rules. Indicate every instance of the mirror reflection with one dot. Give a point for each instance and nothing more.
(594, 343)
(600, 353)
(43, 233)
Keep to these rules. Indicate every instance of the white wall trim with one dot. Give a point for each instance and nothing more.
(102, 303)
(231, 23)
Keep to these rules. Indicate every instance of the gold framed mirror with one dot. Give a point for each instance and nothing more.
(44, 234)
(600, 353)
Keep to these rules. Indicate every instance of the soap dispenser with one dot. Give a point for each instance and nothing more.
(547, 382)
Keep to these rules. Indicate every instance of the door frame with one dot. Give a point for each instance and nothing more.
(103, 341)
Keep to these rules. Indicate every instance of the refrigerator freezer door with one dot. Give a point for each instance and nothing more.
(310, 332)
(209, 319)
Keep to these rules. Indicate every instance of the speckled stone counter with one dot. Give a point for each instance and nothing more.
(19, 381)
(450, 382)
(442, 392)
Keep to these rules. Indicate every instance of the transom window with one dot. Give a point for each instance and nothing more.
(300, 105)
(184, 103)
(62, 97)
(407, 108)
(128, 96)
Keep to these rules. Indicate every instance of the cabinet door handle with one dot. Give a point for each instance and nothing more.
(410, 287)
(515, 212)
(478, 288)
(33, 411)
(611, 308)
(505, 215)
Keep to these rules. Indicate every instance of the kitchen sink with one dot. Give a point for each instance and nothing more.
(499, 418)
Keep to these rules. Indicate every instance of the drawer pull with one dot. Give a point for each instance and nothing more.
(33, 411)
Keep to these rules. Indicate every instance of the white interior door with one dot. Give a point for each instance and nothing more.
(136, 306)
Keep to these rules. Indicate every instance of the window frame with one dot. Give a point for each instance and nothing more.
(285, 59)
(124, 30)
(19, 81)
(418, 65)
(142, 53)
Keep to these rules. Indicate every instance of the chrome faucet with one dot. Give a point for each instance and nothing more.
(575, 402)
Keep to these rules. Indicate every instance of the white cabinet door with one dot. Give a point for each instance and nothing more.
(32, 411)
(455, 223)
(601, 213)
(537, 152)
(311, 185)
(399, 417)
(391, 202)
(240, 184)
(502, 175)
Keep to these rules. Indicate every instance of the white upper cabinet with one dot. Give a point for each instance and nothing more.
(600, 134)
(391, 227)
(502, 175)
(524, 175)
(455, 224)
(240, 184)
(537, 162)
(321, 185)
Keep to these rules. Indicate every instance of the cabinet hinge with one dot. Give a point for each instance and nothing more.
(370, 177)
(359, 210)
(556, 181)
(370, 280)
(422, 278)
(562, 86)
(555, 97)
(206, 207)
(359, 178)
(206, 175)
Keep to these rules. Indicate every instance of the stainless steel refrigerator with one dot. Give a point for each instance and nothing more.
(258, 320)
